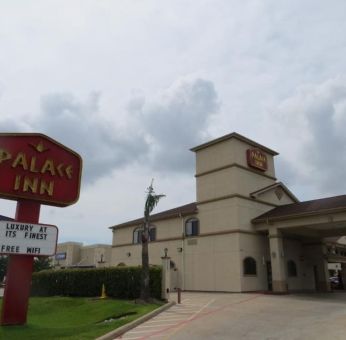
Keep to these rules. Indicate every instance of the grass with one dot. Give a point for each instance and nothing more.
(74, 318)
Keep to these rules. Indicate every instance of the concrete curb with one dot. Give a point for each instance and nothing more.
(123, 329)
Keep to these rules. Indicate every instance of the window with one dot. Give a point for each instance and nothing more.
(249, 266)
(192, 227)
(138, 232)
(291, 268)
(137, 235)
(152, 234)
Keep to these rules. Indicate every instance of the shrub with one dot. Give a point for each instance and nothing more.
(120, 282)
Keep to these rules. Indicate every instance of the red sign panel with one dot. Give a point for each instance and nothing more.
(36, 167)
(257, 159)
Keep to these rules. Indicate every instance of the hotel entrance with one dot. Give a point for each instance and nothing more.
(303, 238)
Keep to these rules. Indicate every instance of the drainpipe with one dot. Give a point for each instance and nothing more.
(182, 253)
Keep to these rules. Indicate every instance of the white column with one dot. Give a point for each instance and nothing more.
(343, 274)
(278, 262)
(322, 270)
(323, 276)
(166, 277)
(317, 260)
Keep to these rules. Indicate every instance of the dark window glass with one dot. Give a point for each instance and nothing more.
(152, 234)
(138, 232)
(137, 235)
(192, 227)
(250, 266)
(291, 268)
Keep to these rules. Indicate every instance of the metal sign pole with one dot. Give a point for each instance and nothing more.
(19, 273)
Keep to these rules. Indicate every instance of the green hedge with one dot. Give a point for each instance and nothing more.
(120, 282)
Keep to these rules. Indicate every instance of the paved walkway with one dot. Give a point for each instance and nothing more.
(171, 320)
(248, 316)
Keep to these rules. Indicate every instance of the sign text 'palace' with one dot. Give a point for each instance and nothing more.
(35, 167)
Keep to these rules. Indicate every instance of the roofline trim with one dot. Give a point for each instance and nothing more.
(267, 220)
(155, 217)
(234, 165)
(236, 136)
(272, 186)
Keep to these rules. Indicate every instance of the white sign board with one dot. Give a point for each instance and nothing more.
(27, 239)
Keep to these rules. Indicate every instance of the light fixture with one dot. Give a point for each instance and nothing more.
(166, 251)
(180, 249)
(101, 259)
(128, 254)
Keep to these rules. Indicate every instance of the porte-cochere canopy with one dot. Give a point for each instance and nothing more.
(317, 219)
(309, 224)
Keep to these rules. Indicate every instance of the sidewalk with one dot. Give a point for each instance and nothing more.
(170, 321)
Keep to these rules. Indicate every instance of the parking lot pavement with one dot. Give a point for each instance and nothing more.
(249, 316)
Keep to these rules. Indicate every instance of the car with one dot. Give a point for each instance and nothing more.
(334, 281)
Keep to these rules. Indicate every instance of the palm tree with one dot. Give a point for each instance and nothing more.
(150, 203)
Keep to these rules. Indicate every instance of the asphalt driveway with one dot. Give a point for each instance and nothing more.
(249, 316)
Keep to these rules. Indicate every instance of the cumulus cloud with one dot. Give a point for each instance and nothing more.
(79, 125)
(313, 121)
(157, 133)
(175, 121)
(13, 125)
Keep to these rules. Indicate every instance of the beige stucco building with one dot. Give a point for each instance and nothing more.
(75, 254)
(245, 232)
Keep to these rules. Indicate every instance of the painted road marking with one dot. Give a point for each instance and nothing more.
(161, 324)
(175, 330)
(169, 316)
(166, 322)
(153, 326)
(163, 320)
(142, 331)
(166, 332)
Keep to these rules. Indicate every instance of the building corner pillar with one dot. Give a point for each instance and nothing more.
(277, 261)
(343, 276)
(166, 277)
(323, 284)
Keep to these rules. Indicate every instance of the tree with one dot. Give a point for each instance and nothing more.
(151, 202)
(42, 263)
(3, 266)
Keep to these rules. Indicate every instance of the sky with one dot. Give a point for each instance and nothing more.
(133, 85)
